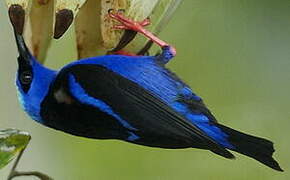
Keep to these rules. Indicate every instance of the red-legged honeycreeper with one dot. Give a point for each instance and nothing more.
(130, 98)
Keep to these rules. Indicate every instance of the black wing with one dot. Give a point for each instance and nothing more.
(141, 109)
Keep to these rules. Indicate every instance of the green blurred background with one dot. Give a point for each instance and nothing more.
(235, 54)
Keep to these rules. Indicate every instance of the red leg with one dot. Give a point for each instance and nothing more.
(129, 24)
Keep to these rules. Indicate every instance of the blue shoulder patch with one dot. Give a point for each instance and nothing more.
(79, 93)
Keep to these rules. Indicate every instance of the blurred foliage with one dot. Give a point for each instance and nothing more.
(235, 54)
(12, 141)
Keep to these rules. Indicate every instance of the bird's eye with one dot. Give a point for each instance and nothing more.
(26, 77)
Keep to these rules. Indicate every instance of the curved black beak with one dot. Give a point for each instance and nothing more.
(24, 53)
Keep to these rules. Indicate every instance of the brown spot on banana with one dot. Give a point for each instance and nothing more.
(63, 20)
(17, 17)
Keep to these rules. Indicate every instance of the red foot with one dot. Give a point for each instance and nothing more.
(129, 24)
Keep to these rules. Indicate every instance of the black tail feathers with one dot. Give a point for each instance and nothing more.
(255, 147)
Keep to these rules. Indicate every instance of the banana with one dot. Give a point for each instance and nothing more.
(42, 20)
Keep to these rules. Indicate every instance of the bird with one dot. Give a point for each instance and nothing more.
(130, 98)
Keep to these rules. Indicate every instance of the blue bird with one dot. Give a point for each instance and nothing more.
(130, 98)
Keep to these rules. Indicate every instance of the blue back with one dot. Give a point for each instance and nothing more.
(144, 71)
(154, 77)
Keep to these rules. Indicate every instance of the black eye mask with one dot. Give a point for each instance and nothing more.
(25, 75)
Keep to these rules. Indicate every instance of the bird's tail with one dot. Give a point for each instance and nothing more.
(255, 147)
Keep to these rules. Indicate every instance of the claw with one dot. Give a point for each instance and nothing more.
(110, 11)
(119, 17)
(129, 24)
(145, 22)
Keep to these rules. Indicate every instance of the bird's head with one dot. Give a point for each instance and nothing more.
(25, 65)
(33, 80)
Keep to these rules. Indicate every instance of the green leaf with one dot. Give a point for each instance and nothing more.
(12, 141)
